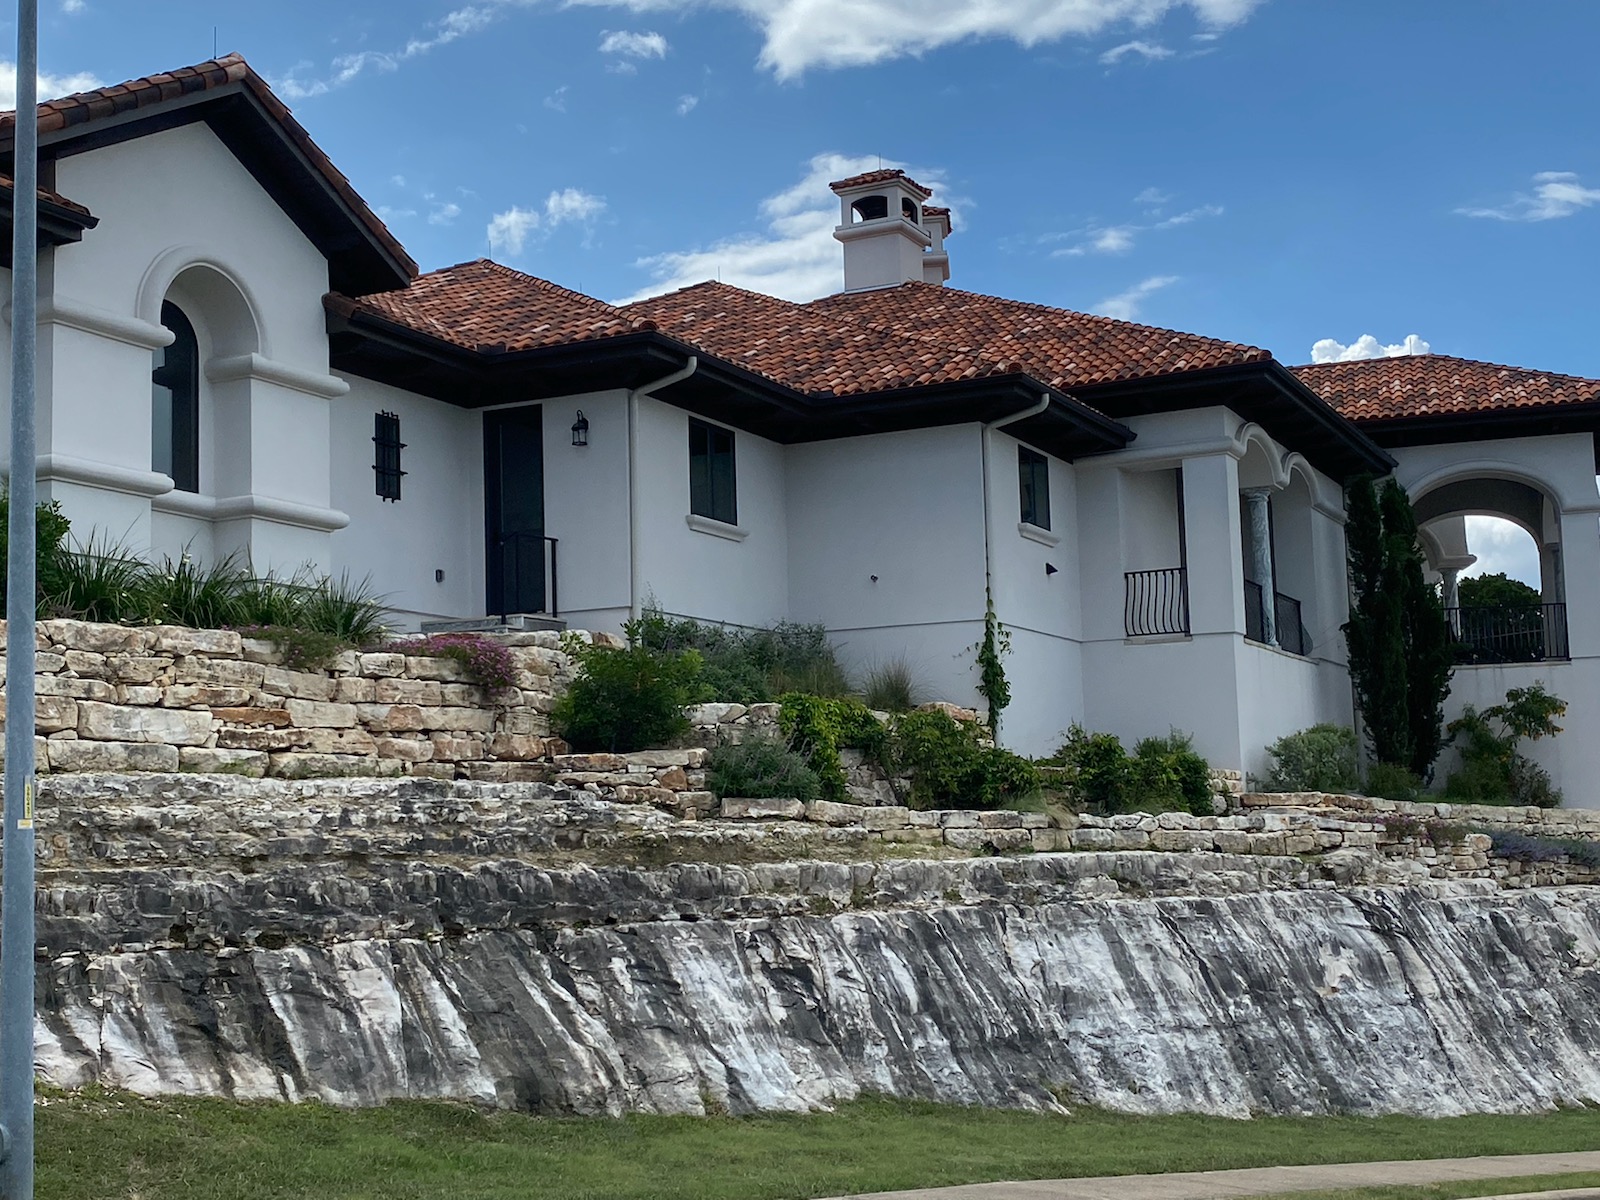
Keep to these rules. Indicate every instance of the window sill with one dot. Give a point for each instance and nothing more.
(1034, 534)
(721, 529)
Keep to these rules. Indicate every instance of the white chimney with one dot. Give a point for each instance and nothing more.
(889, 236)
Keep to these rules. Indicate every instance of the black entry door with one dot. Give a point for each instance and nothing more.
(513, 449)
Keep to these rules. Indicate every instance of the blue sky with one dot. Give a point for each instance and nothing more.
(1278, 172)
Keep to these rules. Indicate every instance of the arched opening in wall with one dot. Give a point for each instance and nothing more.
(199, 433)
(908, 210)
(1274, 538)
(1493, 548)
(871, 208)
(1298, 619)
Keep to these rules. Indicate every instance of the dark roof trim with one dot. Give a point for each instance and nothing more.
(1438, 429)
(59, 224)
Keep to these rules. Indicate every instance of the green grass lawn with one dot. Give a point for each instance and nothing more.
(100, 1146)
(1454, 1191)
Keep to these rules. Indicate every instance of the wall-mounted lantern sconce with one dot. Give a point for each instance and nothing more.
(580, 430)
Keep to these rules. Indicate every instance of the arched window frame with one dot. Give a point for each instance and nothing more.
(175, 403)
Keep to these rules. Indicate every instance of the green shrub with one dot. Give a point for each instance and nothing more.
(749, 666)
(344, 607)
(50, 548)
(182, 592)
(99, 582)
(761, 769)
(302, 649)
(1392, 782)
(1099, 775)
(1494, 770)
(818, 727)
(1319, 759)
(626, 699)
(950, 764)
(1170, 776)
(891, 686)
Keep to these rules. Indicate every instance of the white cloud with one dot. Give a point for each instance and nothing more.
(1556, 194)
(1149, 51)
(509, 231)
(1153, 197)
(1125, 305)
(1119, 239)
(1366, 346)
(73, 7)
(444, 214)
(633, 45)
(686, 105)
(570, 204)
(51, 87)
(800, 35)
(1194, 214)
(556, 101)
(795, 256)
(1502, 546)
(388, 214)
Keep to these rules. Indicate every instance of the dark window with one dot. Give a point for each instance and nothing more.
(712, 489)
(386, 454)
(175, 403)
(1033, 475)
(908, 210)
(872, 208)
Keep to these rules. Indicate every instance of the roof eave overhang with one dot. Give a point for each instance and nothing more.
(358, 261)
(1442, 428)
(1265, 392)
(58, 224)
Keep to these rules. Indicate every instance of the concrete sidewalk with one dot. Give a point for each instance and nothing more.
(1263, 1181)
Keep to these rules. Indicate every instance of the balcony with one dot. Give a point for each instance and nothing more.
(1291, 630)
(1520, 634)
(1156, 603)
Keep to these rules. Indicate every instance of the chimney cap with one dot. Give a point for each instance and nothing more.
(874, 178)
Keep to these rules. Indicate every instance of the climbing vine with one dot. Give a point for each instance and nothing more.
(993, 685)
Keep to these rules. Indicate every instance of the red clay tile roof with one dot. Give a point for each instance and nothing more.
(85, 107)
(1436, 385)
(7, 184)
(885, 175)
(1059, 348)
(808, 348)
(930, 210)
(481, 305)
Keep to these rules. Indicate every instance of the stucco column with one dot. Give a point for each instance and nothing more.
(1452, 586)
(1211, 528)
(1258, 499)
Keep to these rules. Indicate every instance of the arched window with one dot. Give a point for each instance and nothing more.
(872, 208)
(908, 210)
(175, 403)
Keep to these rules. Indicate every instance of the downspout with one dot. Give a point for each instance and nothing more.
(649, 389)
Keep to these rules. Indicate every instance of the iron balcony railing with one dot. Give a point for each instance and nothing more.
(528, 579)
(1289, 626)
(1509, 634)
(1155, 602)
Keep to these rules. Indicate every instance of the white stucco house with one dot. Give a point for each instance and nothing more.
(251, 364)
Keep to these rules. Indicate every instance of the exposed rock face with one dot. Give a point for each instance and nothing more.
(362, 940)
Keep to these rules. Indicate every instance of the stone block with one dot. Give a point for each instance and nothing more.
(204, 695)
(1182, 839)
(259, 738)
(662, 758)
(990, 841)
(297, 685)
(565, 763)
(85, 663)
(735, 808)
(448, 747)
(122, 723)
(220, 761)
(392, 718)
(459, 720)
(405, 749)
(83, 755)
(147, 694)
(674, 779)
(314, 714)
(715, 714)
(219, 643)
(1266, 843)
(449, 670)
(700, 801)
(764, 714)
(294, 765)
(826, 812)
(637, 794)
(101, 639)
(890, 816)
(77, 689)
(233, 715)
(137, 668)
(221, 672)
(1232, 841)
(408, 691)
(47, 663)
(260, 650)
(1051, 840)
(1035, 820)
(52, 714)
(433, 770)
(351, 690)
(526, 722)
(381, 666)
(999, 820)
(915, 837)
(340, 741)
(515, 747)
(1299, 843)
(1130, 839)
(958, 818)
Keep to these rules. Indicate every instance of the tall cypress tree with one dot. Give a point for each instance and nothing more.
(1397, 636)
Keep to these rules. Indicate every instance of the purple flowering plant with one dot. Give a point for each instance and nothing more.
(488, 662)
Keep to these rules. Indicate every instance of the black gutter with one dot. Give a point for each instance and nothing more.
(59, 224)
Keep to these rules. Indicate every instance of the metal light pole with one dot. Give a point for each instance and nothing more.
(16, 884)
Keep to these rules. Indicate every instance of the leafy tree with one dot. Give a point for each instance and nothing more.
(1498, 591)
(1397, 636)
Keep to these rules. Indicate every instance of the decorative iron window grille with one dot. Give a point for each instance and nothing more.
(386, 454)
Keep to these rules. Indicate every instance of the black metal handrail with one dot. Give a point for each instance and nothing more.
(1509, 633)
(1287, 620)
(1155, 602)
(529, 575)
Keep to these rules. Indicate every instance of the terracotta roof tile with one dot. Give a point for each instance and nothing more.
(1060, 348)
(1436, 385)
(83, 107)
(806, 347)
(933, 210)
(484, 306)
(885, 175)
(7, 184)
